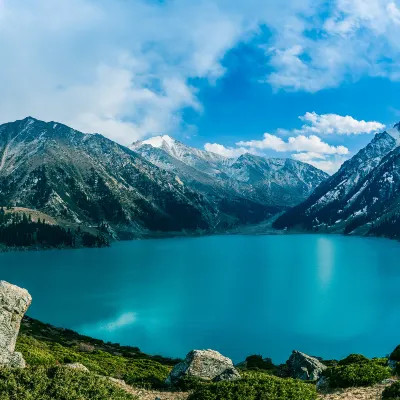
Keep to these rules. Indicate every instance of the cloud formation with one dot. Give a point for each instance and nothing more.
(128, 69)
(336, 124)
(230, 152)
(331, 43)
(118, 68)
(295, 143)
(304, 144)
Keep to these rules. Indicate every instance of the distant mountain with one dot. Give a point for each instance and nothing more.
(362, 197)
(157, 185)
(88, 178)
(279, 183)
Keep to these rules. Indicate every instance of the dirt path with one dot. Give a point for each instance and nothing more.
(369, 393)
(150, 394)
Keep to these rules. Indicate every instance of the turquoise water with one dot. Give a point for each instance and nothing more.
(324, 295)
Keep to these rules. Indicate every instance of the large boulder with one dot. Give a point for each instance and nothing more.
(304, 367)
(14, 302)
(204, 364)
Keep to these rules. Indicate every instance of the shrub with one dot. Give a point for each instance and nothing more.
(57, 383)
(257, 362)
(353, 359)
(395, 356)
(358, 374)
(264, 387)
(392, 392)
(139, 372)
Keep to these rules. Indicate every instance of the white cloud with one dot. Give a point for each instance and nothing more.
(309, 156)
(118, 68)
(299, 143)
(336, 124)
(329, 166)
(320, 161)
(231, 152)
(350, 39)
(304, 144)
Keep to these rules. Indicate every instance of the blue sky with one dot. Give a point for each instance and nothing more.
(312, 80)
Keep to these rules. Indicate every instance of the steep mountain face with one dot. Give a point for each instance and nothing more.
(279, 183)
(161, 185)
(88, 178)
(362, 197)
(275, 180)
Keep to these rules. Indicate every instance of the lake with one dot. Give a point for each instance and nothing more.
(325, 295)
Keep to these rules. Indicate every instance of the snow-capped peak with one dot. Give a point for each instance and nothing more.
(395, 133)
(159, 141)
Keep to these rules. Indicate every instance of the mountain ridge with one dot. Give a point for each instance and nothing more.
(360, 197)
(89, 179)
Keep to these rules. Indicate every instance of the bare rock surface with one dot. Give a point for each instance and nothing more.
(78, 366)
(204, 364)
(304, 367)
(14, 301)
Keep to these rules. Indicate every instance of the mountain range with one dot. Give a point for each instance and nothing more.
(363, 197)
(155, 185)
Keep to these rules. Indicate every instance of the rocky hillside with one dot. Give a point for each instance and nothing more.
(362, 197)
(88, 179)
(277, 182)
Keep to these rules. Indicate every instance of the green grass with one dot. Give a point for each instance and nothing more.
(56, 383)
(139, 372)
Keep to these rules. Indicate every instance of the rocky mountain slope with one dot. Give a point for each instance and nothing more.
(275, 182)
(362, 197)
(88, 179)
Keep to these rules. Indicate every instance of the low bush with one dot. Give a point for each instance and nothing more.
(256, 387)
(139, 372)
(257, 362)
(395, 355)
(392, 392)
(358, 374)
(353, 359)
(57, 383)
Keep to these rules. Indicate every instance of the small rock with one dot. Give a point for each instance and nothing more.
(77, 366)
(229, 374)
(388, 381)
(392, 364)
(204, 364)
(117, 381)
(323, 383)
(301, 366)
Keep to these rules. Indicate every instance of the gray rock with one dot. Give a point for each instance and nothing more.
(392, 364)
(388, 381)
(119, 382)
(78, 366)
(14, 301)
(229, 374)
(301, 366)
(323, 383)
(204, 364)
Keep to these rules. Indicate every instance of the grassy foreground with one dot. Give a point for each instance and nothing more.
(47, 349)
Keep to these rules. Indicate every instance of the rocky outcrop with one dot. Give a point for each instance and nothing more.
(204, 364)
(77, 366)
(304, 367)
(14, 302)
